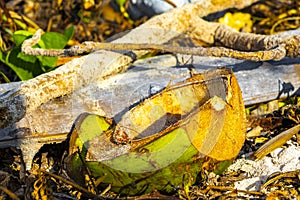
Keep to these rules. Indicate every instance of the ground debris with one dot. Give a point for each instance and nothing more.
(274, 176)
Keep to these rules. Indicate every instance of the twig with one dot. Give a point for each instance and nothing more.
(272, 31)
(9, 193)
(290, 174)
(252, 40)
(275, 142)
(230, 38)
(224, 188)
(78, 187)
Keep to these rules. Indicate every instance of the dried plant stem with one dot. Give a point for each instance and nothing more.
(275, 142)
(76, 186)
(250, 40)
(9, 193)
(230, 38)
(289, 174)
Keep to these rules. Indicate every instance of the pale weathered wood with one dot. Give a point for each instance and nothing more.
(259, 82)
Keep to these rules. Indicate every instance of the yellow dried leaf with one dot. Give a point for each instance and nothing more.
(260, 140)
(255, 132)
(110, 14)
(239, 21)
(87, 4)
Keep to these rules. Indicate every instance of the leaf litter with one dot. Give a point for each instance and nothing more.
(274, 176)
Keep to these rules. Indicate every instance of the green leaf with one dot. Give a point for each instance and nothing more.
(41, 44)
(2, 57)
(6, 79)
(222, 166)
(121, 2)
(69, 32)
(20, 36)
(54, 40)
(25, 69)
(47, 63)
(26, 58)
(51, 40)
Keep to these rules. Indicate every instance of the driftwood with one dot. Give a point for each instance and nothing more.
(42, 110)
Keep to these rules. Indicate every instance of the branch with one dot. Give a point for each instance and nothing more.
(246, 46)
(277, 53)
(230, 38)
